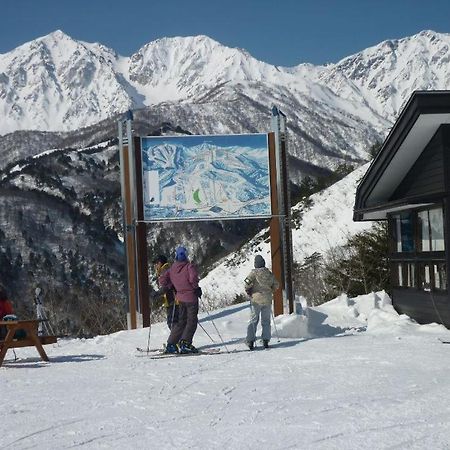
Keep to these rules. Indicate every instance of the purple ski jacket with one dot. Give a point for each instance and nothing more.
(183, 276)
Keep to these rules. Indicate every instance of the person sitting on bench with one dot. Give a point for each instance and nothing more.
(6, 308)
(7, 313)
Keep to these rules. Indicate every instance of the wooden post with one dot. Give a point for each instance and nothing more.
(141, 240)
(275, 234)
(281, 234)
(128, 225)
(286, 230)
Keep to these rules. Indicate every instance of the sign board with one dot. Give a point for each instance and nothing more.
(205, 177)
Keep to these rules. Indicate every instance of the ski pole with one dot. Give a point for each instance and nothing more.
(225, 345)
(173, 314)
(47, 326)
(275, 325)
(149, 330)
(207, 334)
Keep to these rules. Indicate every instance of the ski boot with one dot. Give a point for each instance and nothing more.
(250, 345)
(185, 347)
(171, 348)
(266, 343)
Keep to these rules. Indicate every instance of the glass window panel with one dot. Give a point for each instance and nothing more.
(411, 275)
(440, 276)
(437, 229)
(407, 234)
(398, 234)
(425, 277)
(437, 281)
(424, 231)
(406, 275)
(400, 274)
(404, 235)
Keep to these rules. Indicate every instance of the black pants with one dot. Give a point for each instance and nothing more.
(186, 325)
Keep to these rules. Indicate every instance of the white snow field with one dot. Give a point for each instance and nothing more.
(354, 375)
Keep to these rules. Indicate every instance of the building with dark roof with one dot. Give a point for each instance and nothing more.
(408, 184)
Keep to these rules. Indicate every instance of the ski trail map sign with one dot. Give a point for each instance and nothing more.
(205, 177)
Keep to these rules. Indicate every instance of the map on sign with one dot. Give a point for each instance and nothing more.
(205, 177)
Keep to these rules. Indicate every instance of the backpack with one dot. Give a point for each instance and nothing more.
(19, 334)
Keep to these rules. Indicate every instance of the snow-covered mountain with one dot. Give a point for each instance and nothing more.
(385, 75)
(335, 112)
(56, 83)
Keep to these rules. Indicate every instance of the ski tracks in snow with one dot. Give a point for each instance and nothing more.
(41, 431)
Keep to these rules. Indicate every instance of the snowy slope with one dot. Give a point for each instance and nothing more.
(323, 224)
(328, 221)
(364, 377)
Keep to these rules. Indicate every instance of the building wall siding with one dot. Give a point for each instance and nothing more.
(427, 174)
(423, 307)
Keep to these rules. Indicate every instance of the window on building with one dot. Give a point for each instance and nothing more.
(424, 230)
(418, 249)
(400, 281)
(406, 275)
(404, 232)
(436, 229)
(433, 276)
(431, 230)
(425, 277)
(440, 276)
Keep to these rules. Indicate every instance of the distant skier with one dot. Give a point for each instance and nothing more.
(183, 276)
(259, 286)
(7, 313)
(40, 314)
(168, 295)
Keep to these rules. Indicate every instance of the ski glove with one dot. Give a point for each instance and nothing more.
(198, 291)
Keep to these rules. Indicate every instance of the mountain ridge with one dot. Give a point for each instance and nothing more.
(335, 112)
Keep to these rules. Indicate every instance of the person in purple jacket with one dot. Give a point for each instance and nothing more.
(183, 276)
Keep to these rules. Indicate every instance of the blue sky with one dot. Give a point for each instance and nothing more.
(282, 32)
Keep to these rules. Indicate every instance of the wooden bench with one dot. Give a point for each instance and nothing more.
(31, 340)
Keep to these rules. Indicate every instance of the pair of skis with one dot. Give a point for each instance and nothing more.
(159, 353)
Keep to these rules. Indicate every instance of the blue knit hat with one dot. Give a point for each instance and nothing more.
(181, 254)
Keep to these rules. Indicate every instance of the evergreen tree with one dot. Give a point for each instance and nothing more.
(361, 265)
(308, 279)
